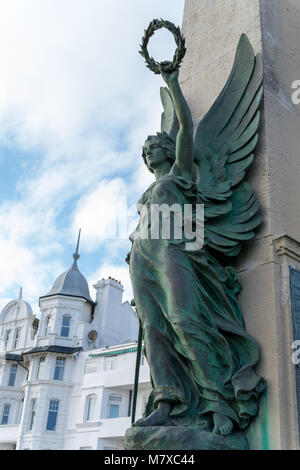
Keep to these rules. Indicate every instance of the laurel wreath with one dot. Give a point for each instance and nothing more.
(166, 66)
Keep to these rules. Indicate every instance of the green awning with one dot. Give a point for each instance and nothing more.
(115, 353)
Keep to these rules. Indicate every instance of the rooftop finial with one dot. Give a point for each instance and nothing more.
(20, 293)
(76, 255)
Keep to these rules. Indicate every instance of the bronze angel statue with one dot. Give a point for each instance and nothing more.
(201, 358)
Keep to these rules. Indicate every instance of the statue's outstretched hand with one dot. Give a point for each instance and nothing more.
(169, 77)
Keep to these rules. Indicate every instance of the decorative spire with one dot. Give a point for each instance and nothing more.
(20, 293)
(76, 255)
(71, 283)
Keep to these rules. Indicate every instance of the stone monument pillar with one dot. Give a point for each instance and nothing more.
(212, 29)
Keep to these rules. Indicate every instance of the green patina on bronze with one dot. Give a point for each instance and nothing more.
(202, 360)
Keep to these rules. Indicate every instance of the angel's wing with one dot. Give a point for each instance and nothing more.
(169, 121)
(224, 143)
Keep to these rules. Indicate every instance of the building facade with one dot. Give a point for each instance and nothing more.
(66, 380)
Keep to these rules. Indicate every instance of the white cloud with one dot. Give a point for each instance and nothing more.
(71, 68)
(99, 213)
(75, 93)
(20, 267)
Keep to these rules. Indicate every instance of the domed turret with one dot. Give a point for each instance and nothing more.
(16, 309)
(71, 282)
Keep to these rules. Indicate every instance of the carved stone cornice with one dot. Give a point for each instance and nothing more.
(285, 245)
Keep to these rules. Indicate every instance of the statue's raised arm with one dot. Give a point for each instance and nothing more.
(184, 140)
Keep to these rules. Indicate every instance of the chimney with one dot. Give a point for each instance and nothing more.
(108, 302)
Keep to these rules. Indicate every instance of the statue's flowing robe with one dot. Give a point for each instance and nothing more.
(200, 355)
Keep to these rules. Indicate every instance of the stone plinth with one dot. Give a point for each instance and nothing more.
(181, 438)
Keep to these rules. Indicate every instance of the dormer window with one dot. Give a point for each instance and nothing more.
(17, 337)
(65, 327)
(6, 339)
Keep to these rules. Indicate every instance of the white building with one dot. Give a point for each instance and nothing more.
(66, 380)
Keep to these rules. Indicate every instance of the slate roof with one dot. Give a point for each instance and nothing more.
(14, 357)
(54, 349)
(71, 283)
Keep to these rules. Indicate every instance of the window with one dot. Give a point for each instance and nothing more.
(65, 327)
(114, 406)
(17, 337)
(12, 375)
(90, 367)
(32, 413)
(5, 414)
(6, 340)
(91, 408)
(47, 325)
(19, 412)
(143, 359)
(41, 368)
(110, 363)
(114, 411)
(115, 398)
(52, 415)
(59, 368)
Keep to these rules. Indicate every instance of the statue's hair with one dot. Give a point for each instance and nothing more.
(165, 142)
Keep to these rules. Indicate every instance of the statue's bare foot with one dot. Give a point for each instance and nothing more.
(159, 417)
(222, 424)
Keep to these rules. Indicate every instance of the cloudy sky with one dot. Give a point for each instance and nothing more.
(76, 104)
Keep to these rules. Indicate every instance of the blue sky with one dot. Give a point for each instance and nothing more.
(76, 104)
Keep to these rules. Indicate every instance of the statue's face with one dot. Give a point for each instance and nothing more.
(154, 154)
